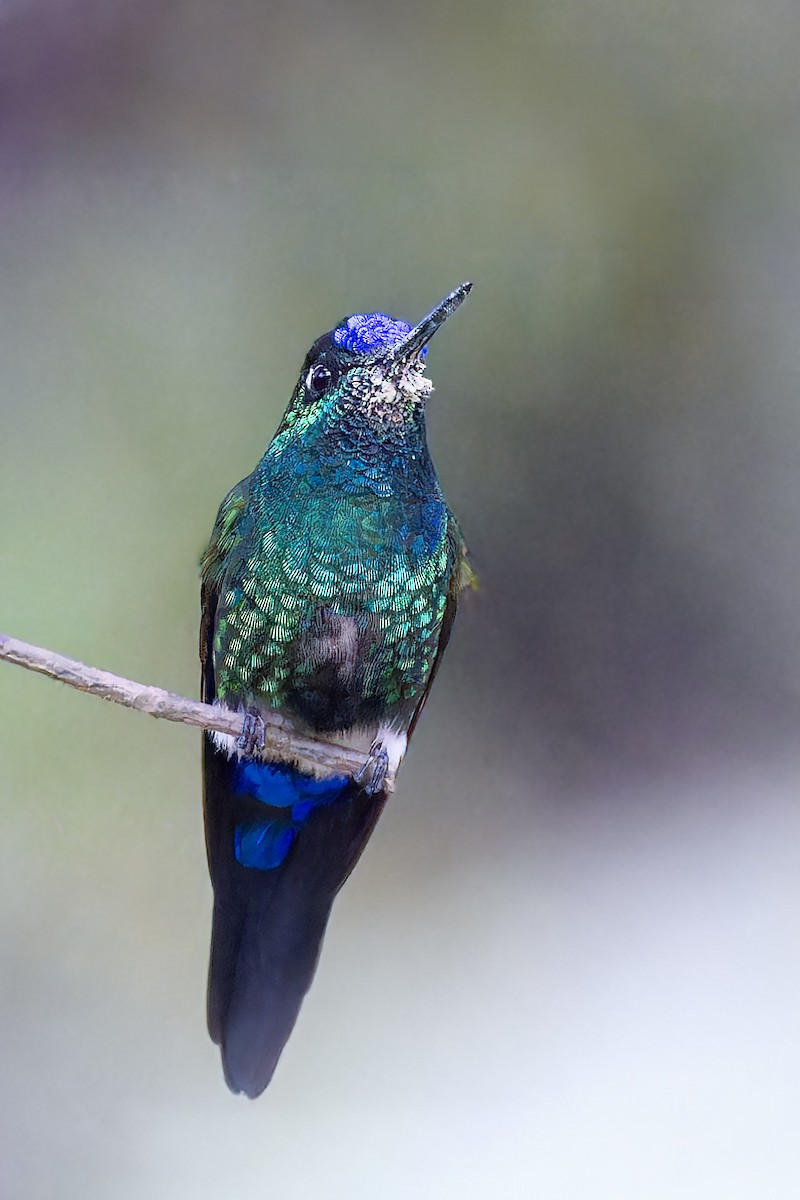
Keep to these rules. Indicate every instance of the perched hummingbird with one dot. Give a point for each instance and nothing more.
(329, 589)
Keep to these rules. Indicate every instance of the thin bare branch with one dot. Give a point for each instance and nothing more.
(280, 738)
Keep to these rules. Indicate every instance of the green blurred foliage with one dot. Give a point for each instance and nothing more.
(567, 964)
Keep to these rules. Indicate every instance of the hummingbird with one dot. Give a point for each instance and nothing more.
(329, 589)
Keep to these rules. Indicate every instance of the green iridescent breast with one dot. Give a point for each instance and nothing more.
(330, 598)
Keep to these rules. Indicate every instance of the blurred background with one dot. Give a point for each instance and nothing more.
(569, 963)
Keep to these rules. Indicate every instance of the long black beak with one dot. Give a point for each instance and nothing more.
(421, 334)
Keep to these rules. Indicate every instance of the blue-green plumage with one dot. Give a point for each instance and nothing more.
(329, 589)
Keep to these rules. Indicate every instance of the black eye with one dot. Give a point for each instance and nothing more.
(317, 380)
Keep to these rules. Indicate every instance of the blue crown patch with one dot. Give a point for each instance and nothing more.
(366, 333)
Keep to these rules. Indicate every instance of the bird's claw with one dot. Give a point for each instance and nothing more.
(372, 775)
(250, 742)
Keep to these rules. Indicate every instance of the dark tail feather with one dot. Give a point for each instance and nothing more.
(280, 845)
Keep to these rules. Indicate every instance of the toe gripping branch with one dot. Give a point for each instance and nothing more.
(251, 740)
(372, 776)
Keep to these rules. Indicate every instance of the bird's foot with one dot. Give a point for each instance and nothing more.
(372, 775)
(250, 742)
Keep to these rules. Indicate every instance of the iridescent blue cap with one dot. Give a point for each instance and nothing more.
(369, 333)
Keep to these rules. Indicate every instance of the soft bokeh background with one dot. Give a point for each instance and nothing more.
(569, 964)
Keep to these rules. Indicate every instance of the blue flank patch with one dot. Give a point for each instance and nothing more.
(366, 333)
(432, 517)
(265, 845)
(423, 539)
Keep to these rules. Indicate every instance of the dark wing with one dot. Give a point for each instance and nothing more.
(225, 536)
(461, 576)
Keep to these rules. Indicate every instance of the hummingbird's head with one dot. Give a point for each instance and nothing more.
(365, 378)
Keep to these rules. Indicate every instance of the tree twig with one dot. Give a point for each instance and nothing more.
(280, 738)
